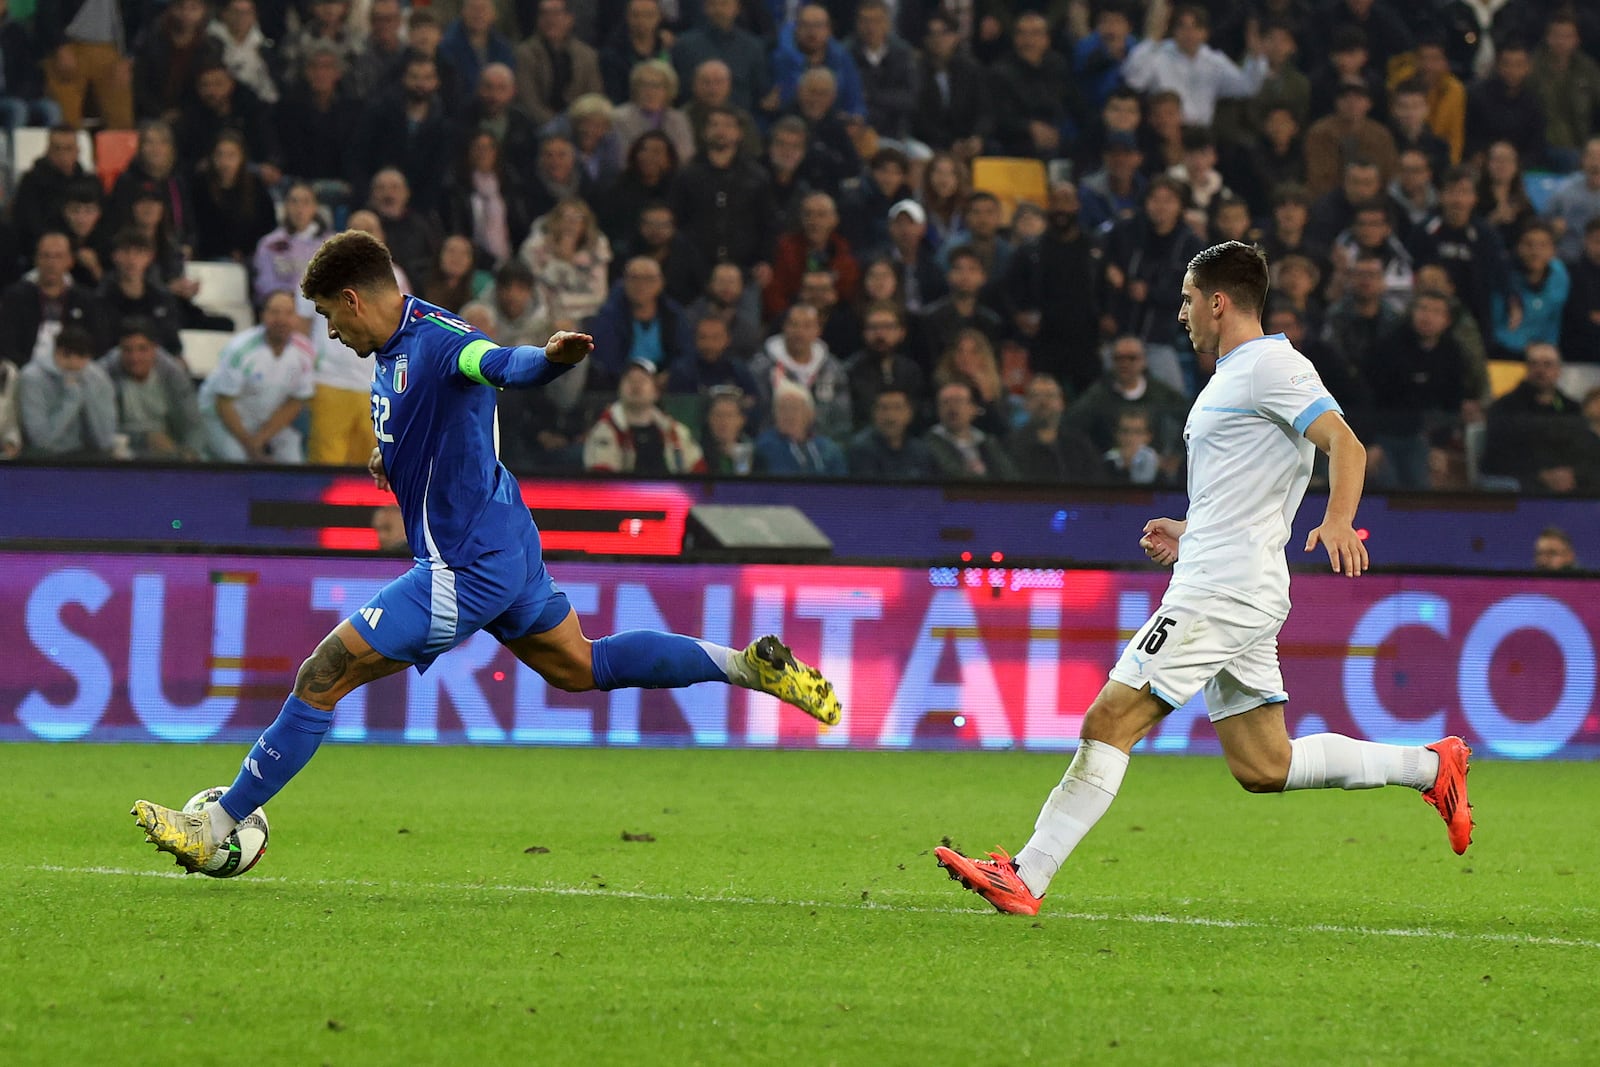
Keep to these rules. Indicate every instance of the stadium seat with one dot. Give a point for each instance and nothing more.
(224, 290)
(28, 143)
(113, 151)
(1012, 181)
(1577, 379)
(1504, 376)
(202, 349)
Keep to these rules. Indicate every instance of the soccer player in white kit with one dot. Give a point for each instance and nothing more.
(1251, 437)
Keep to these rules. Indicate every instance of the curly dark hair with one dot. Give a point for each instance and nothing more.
(350, 260)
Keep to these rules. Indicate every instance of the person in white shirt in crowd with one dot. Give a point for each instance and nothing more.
(262, 381)
(1186, 65)
(244, 48)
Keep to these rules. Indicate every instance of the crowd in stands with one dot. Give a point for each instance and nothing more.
(781, 220)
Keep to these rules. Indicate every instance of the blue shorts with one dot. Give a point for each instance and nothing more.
(431, 608)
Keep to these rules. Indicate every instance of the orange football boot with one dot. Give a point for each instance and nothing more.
(994, 879)
(1449, 792)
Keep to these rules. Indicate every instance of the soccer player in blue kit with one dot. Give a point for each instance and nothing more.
(478, 561)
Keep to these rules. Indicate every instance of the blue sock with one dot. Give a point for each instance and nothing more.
(285, 747)
(649, 659)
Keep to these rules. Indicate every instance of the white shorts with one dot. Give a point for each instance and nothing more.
(1224, 647)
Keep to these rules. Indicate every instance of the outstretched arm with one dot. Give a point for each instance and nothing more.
(523, 367)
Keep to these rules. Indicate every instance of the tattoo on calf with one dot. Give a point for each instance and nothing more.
(328, 665)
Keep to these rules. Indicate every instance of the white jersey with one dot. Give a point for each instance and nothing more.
(1249, 464)
(257, 380)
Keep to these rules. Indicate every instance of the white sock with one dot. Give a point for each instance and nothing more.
(1326, 761)
(222, 824)
(1074, 806)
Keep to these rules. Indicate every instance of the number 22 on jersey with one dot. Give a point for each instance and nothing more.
(380, 418)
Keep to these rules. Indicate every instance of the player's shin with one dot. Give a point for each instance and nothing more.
(282, 750)
(648, 659)
(1333, 761)
(1074, 806)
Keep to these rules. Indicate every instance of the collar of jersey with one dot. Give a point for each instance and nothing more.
(1247, 344)
(405, 320)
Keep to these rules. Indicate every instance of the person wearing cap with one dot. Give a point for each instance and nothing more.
(921, 280)
(1350, 133)
(634, 436)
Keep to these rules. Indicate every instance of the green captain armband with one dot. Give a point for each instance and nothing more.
(468, 362)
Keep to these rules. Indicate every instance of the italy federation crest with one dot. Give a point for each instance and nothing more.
(400, 373)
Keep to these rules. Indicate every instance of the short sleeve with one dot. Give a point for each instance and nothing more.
(228, 379)
(1287, 388)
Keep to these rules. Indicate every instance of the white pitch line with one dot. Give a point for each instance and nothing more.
(864, 905)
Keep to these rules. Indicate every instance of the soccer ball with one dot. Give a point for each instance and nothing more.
(243, 848)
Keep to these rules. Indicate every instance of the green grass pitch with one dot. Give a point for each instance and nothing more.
(787, 911)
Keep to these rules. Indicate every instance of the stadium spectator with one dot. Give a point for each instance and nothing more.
(34, 310)
(946, 184)
(1230, 221)
(727, 447)
(1121, 114)
(424, 35)
(1385, 32)
(1286, 234)
(1419, 387)
(807, 44)
(1164, 129)
(880, 283)
(1586, 451)
(85, 54)
(84, 223)
(22, 97)
(887, 67)
(1347, 135)
(980, 226)
(1408, 122)
(1296, 281)
(970, 357)
(1463, 327)
(390, 526)
(939, 323)
(557, 176)
(840, 327)
(1552, 552)
(1371, 233)
(65, 401)
(962, 451)
(1049, 449)
(1145, 261)
(452, 282)
(406, 130)
(245, 48)
(1113, 192)
(1580, 329)
(569, 257)
(386, 46)
(726, 298)
(281, 256)
(1126, 384)
(634, 436)
(1359, 320)
(1534, 430)
(1349, 63)
(741, 53)
(1504, 106)
(1097, 57)
(884, 450)
(638, 38)
(711, 89)
(167, 56)
(493, 110)
(1339, 375)
(323, 22)
(954, 111)
(1469, 248)
(1187, 65)
(483, 200)
(1132, 460)
(157, 410)
(313, 124)
(1198, 173)
(788, 165)
(538, 435)
(1502, 198)
(1576, 201)
(554, 67)
(220, 103)
(413, 236)
(921, 280)
(637, 323)
(882, 364)
(249, 404)
(798, 355)
(816, 244)
(471, 43)
(1334, 211)
(1276, 158)
(1567, 81)
(149, 217)
(1062, 259)
(127, 290)
(647, 107)
(233, 210)
(587, 124)
(792, 445)
(1413, 196)
(647, 178)
(723, 201)
(1285, 85)
(830, 151)
(520, 317)
(657, 238)
(711, 366)
(1447, 97)
(1037, 106)
(10, 423)
(42, 190)
(1539, 285)
(864, 203)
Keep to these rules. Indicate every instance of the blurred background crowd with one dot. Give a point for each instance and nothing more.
(878, 239)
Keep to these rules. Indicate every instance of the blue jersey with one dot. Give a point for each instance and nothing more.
(434, 420)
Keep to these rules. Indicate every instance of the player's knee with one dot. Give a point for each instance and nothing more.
(1259, 779)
